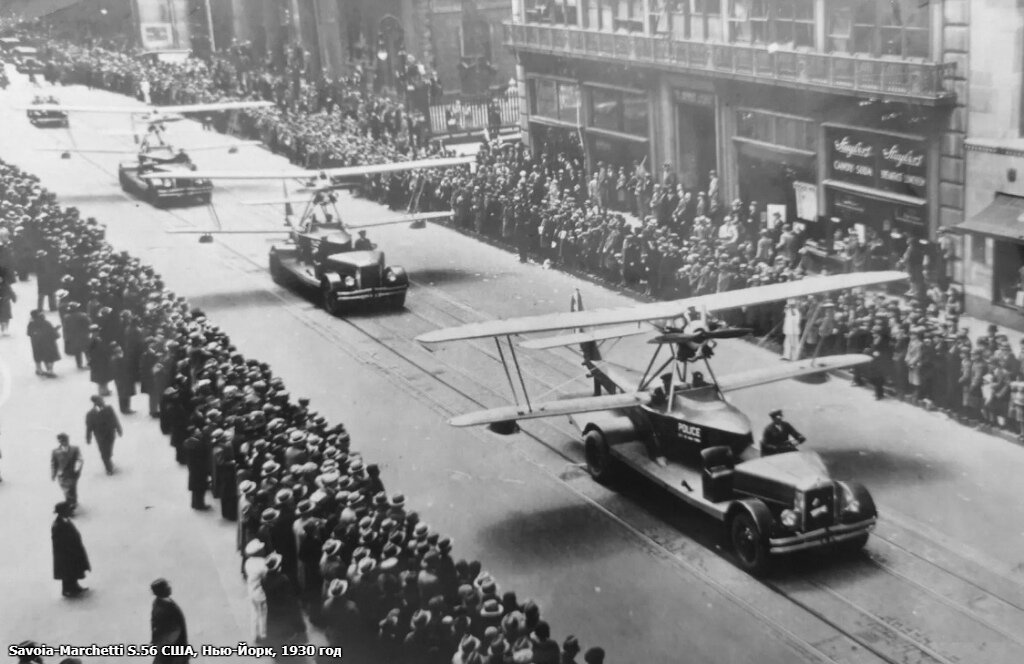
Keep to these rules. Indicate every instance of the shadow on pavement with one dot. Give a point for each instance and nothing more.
(882, 466)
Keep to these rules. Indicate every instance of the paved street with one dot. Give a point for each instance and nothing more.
(941, 580)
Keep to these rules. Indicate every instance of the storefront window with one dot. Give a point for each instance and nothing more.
(558, 100)
(618, 110)
(634, 115)
(606, 109)
(568, 102)
(880, 27)
(788, 22)
(1007, 271)
(545, 102)
(776, 129)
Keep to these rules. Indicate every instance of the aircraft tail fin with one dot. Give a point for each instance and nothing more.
(590, 351)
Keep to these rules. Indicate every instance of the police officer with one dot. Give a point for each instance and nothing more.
(778, 434)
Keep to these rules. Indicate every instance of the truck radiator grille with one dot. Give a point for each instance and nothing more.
(819, 508)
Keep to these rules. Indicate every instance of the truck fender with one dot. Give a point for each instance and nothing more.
(756, 509)
(330, 281)
(615, 427)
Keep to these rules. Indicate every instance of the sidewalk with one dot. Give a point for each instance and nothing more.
(136, 524)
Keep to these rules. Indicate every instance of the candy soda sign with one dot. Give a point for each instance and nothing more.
(880, 161)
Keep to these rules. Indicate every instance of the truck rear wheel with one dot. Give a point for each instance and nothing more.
(749, 543)
(277, 272)
(600, 462)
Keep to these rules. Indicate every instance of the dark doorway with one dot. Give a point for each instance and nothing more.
(697, 133)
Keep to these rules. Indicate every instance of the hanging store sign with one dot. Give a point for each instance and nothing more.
(156, 36)
(693, 97)
(877, 160)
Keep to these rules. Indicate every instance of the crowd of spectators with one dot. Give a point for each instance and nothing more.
(317, 530)
(634, 227)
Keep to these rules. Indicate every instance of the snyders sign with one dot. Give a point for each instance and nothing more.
(877, 160)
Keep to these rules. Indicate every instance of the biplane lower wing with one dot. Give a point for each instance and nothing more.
(342, 172)
(235, 231)
(552, 408)
(600, 334)
(775, 373)
(412, 218)
(154, 110)
(662, 310)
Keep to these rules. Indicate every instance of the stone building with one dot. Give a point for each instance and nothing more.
(845, 114)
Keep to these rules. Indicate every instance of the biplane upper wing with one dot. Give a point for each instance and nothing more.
(552, 408)
(346, 171)
(600, 334)
(775, 373)
(135, 150)
(411, 218)
(661, 310)
(135, 110)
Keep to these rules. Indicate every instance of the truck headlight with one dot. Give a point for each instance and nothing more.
(350, 281)
(850, 503)
(390, 276)
(789, 518)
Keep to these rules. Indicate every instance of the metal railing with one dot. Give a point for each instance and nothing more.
(923, 81)
(467, 115)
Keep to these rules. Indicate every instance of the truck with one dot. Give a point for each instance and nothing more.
(160, 192)
(344, 276)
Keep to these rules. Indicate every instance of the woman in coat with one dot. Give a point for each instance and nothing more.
(44, 343)
(70, 560)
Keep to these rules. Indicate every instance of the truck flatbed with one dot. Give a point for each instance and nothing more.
(674, 478)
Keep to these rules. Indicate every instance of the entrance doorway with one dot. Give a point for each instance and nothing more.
(697, 145)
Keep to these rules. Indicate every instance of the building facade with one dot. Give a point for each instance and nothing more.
(459, 39)
(844, 114)
(992, 249)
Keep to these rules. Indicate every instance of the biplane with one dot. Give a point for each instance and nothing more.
(320, 253)
(673, 425)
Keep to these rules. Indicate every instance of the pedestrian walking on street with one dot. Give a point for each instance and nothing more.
(167, 624)
(7, 297)
(65, 468)
(101, 421)
(70, 560)
(44, 343)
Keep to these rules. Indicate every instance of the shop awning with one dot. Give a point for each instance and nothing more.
(1004, 217)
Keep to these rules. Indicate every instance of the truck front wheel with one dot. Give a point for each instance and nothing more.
(749, 543)
(600, 462)
(331, 303)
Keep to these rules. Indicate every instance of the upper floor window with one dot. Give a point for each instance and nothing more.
(562, 12)
(777, 129)
(789, 22)
(697, 20)
(880, 27)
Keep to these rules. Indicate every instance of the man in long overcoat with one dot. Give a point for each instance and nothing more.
(167, 624)
(76, 332)
(198, 459)
(70, 560)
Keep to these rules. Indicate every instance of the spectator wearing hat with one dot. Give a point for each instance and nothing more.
(284, 612)
(594, 656)
(255, 571)
(101, 422)
(342, 622)
(43, 336)
(545, 649)
(570, 648)
(98, 353)
(198, 459)
(124, 382)
(76, 332)
(167, 624)
(70, 560)
(7, 298)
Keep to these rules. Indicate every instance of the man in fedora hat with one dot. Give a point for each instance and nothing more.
(341, 618)
(101, 422)
(65, 468)
(70, 560)
(284, 613)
